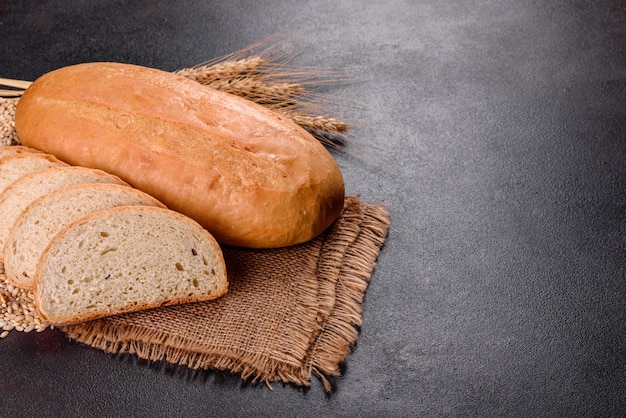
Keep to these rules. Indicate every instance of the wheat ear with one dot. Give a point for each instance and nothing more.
(276, 84)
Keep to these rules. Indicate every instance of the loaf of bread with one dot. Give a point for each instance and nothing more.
(127, 259)
(28, 188)
(12, 167)
(250, 176)
(40, 221)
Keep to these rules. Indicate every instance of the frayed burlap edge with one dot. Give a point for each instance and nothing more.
(354, 250)
(342, 326)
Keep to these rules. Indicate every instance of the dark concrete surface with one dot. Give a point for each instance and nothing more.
(495, 131)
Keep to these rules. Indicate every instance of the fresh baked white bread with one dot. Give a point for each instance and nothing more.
(44, 217)
(251, 177)
(12, 167)
(126, 259)
(28, 188)
(16, 149)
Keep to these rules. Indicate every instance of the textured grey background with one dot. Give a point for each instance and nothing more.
(494, 130)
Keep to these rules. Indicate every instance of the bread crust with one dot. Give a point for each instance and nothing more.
(245, 173)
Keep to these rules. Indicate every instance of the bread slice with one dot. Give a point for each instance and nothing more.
(28, 188)
(12, 167)
(44, 217)
(126, 259)
(7, 150)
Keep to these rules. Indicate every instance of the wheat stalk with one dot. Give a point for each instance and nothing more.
(271, 94)
(318, 123)
(17, 87)
(277, 86)
(263, 79)
(228, 70)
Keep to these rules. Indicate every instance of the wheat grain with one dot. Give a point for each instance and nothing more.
(273, 95)
(8, 136)
(228, 70)
(17, 309)
(319, 123)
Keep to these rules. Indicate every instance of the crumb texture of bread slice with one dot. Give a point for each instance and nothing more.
(12, 167)
(30, 187)
(35, 227)
(126, 259)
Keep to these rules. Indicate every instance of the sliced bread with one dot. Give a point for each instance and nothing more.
(16, 149)
(127, 259)
(28, 188)
(12, 167)
(44, 217)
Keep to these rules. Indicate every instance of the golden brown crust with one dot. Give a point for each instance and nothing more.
(249, 176)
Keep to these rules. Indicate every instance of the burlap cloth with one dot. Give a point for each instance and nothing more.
(289, 313)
